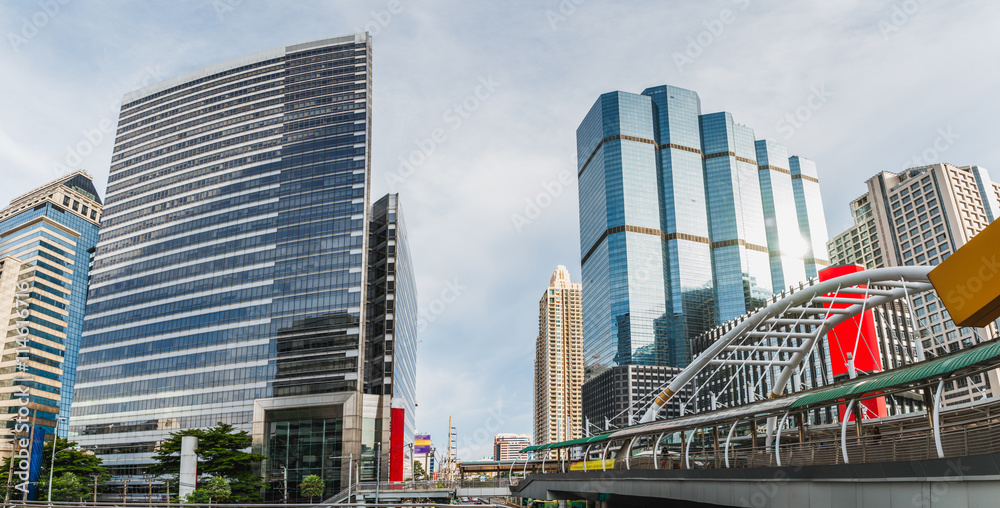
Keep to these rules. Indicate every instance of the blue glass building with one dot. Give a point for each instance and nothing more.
(686, 221)
(231, 278)
(809, 207)
(47, 238)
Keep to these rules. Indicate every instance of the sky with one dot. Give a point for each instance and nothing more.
(483, 100)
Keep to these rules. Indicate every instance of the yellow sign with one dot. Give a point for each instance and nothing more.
(968, 282)
(593, 465)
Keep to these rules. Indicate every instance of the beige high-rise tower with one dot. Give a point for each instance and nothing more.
(921, 216)
(559, 361)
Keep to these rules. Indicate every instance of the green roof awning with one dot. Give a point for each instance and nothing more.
(922, 370)
(571, 442)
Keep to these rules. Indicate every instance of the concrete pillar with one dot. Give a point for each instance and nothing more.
(772, 422)
(189, 466)
(562, 503)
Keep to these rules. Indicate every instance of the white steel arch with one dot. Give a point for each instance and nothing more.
(781, 320)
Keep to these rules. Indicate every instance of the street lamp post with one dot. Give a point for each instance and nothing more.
(52, 467)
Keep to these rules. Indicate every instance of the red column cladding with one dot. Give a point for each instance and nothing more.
(397, 420)
(855, 337)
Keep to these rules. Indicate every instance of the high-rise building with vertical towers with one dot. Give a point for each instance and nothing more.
(686, 221)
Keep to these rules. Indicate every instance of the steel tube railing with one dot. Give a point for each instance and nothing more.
(967, 429)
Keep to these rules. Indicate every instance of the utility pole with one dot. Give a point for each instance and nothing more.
(10, 474)
(150, 488)
(378, 467)
(350, 474)
(95, 488)
(55, 441)
(31, 445)
(448, 460)
(284, 482)
(413, 472)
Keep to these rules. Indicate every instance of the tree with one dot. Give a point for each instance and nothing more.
(69, 487)
(218, 489)
(221, 453)
(312, 486)
(418, 471)
(69, 459)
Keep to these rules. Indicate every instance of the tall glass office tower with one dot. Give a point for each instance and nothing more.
(230, 281)
(686, 221)
(47, 238)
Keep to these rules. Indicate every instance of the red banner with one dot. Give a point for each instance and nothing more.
(855, 338)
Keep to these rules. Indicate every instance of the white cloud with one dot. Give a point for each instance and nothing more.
(890, 96)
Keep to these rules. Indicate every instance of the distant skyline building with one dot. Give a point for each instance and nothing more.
(509, 446)
(47, 238)
(617, 396)
(921, 216)
(686, 221)
(233, 279)
(559, 361)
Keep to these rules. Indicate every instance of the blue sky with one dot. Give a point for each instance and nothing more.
(485, 98)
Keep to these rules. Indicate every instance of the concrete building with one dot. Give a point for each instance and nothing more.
(686, 221)
(859, 244)
(921, 216)
(428, 463)
(616, 394)
(559, 361)
(47, 238)
(509, 446)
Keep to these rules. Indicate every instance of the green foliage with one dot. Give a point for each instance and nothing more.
(312, 486)
(198, 496)
(221, 454)
(218, 489)
(418, 471)
(68, 487)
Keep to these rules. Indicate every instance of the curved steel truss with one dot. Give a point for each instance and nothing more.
(785, 332)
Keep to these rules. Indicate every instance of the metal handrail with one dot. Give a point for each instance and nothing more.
(964, 430)
(369, 486)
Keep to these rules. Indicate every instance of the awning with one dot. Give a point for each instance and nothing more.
(565, 444)
(901, 377)
(708, 418)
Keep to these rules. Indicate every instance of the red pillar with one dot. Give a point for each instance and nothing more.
(397, 422)
(842, 338)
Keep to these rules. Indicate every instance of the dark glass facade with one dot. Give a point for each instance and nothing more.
(686, 221)
(391, 345)
(231, 266)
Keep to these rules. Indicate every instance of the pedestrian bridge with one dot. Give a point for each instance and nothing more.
(795, 446)
(945, 456)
